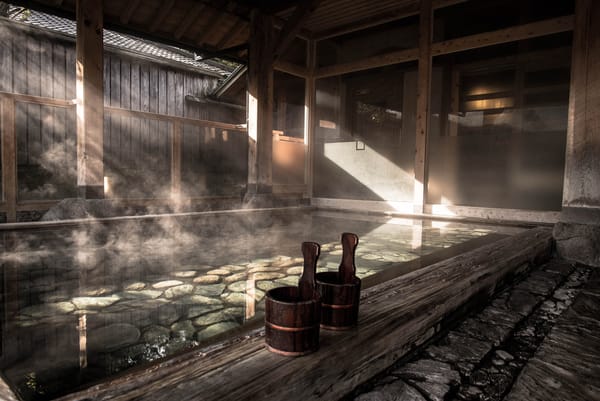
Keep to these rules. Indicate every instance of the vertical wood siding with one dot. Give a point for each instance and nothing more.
(136, 151)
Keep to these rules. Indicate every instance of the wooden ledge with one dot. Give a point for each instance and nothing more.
(395, 317)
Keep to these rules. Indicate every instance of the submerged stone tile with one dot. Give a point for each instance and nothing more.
(227, 314)
(215, 329)
(112, 337)
(210, 290)
(156, 335)
(207, 279)
(183, 329)
(179, 291)
(94, 302)
(166, 284)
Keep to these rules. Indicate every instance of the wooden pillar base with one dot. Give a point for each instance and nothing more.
(90, 191)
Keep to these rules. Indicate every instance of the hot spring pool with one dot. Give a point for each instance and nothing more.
(84, 302)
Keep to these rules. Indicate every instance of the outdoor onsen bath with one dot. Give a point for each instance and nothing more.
(88, 300)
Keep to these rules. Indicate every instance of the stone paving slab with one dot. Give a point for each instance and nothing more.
(566, 365)
(482, 357)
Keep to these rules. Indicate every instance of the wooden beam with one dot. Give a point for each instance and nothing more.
(188, 20)
(161, 14)
(9, 159)
(395, 57)
(309, 116)
(128, 11)
(423, 103)
(512, 34)
(90, 99)
(293, 25)
(182, 120)
(47, 101)
(380, 19)
(582, 164)
(291, 68)
(260, 104)
(176, 139)
(236, 29)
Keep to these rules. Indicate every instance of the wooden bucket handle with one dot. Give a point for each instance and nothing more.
(347, 270)
(306, 285)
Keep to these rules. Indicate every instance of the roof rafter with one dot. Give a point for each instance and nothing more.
(128, 10)
(188, 20)
(160, 15)
(293, 26)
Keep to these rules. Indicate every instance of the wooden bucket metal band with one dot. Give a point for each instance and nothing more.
(292, 329)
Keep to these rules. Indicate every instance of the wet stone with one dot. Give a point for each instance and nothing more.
(235, 298)
(112, 337)
(208, 279)
(287, 281)
(456, 347)
(484, 331)
(499, 316)
(267, 276)
(518, 301)
(433, 391)
(183, 329)
(561, 267)
(96, 292)
(480, 378)
(166, 284)
(156, 335)
(198, 310)
(219, 272)
(428, 370)
(215, 329)
(505, 356)
(135, 286)
(396, 391)
(200, 300)
(263, 269)
(167, 314)
(234, 277)
(143, 294)
(94, 302)
(211, 290)
(238, 286)
(179, 291)
(233, 268)
(43, 310)
(184, 274)
(540, 283)
(228, 314)
(266, 285)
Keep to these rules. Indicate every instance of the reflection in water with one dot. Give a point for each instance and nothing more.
(82, 304)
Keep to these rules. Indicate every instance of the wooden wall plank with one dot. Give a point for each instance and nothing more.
(6, 59)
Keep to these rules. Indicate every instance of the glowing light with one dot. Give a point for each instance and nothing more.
(374, 171)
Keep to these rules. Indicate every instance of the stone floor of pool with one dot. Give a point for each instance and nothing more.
(538, 340)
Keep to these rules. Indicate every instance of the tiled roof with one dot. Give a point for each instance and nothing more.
(124, 42)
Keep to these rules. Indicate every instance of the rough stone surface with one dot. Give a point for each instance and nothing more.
(112, 337)
(156, 335)
(207, 279)
(210, 290)
(459, 348)
(94, 302)
(578, 242)
(215, 329)
(228, 314)
(428, 370)
(183, 329)
(179, 291)
(396, 391)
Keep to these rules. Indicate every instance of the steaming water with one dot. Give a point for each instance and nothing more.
(83, 304)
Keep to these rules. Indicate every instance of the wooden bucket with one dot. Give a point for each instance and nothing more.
(293, 314)
(340, 291)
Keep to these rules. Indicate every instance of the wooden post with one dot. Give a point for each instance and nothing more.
(309, 117)
(9, 159)
(176, 160)
(260, 104)
(582, 168)
(423, 94)
(90, 99)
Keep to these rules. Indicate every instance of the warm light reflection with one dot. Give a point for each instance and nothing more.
(82, 329)
(250, 297)
(252, 111)
(374, 171)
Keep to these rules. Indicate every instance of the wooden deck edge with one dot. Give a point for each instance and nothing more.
(395, 317)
